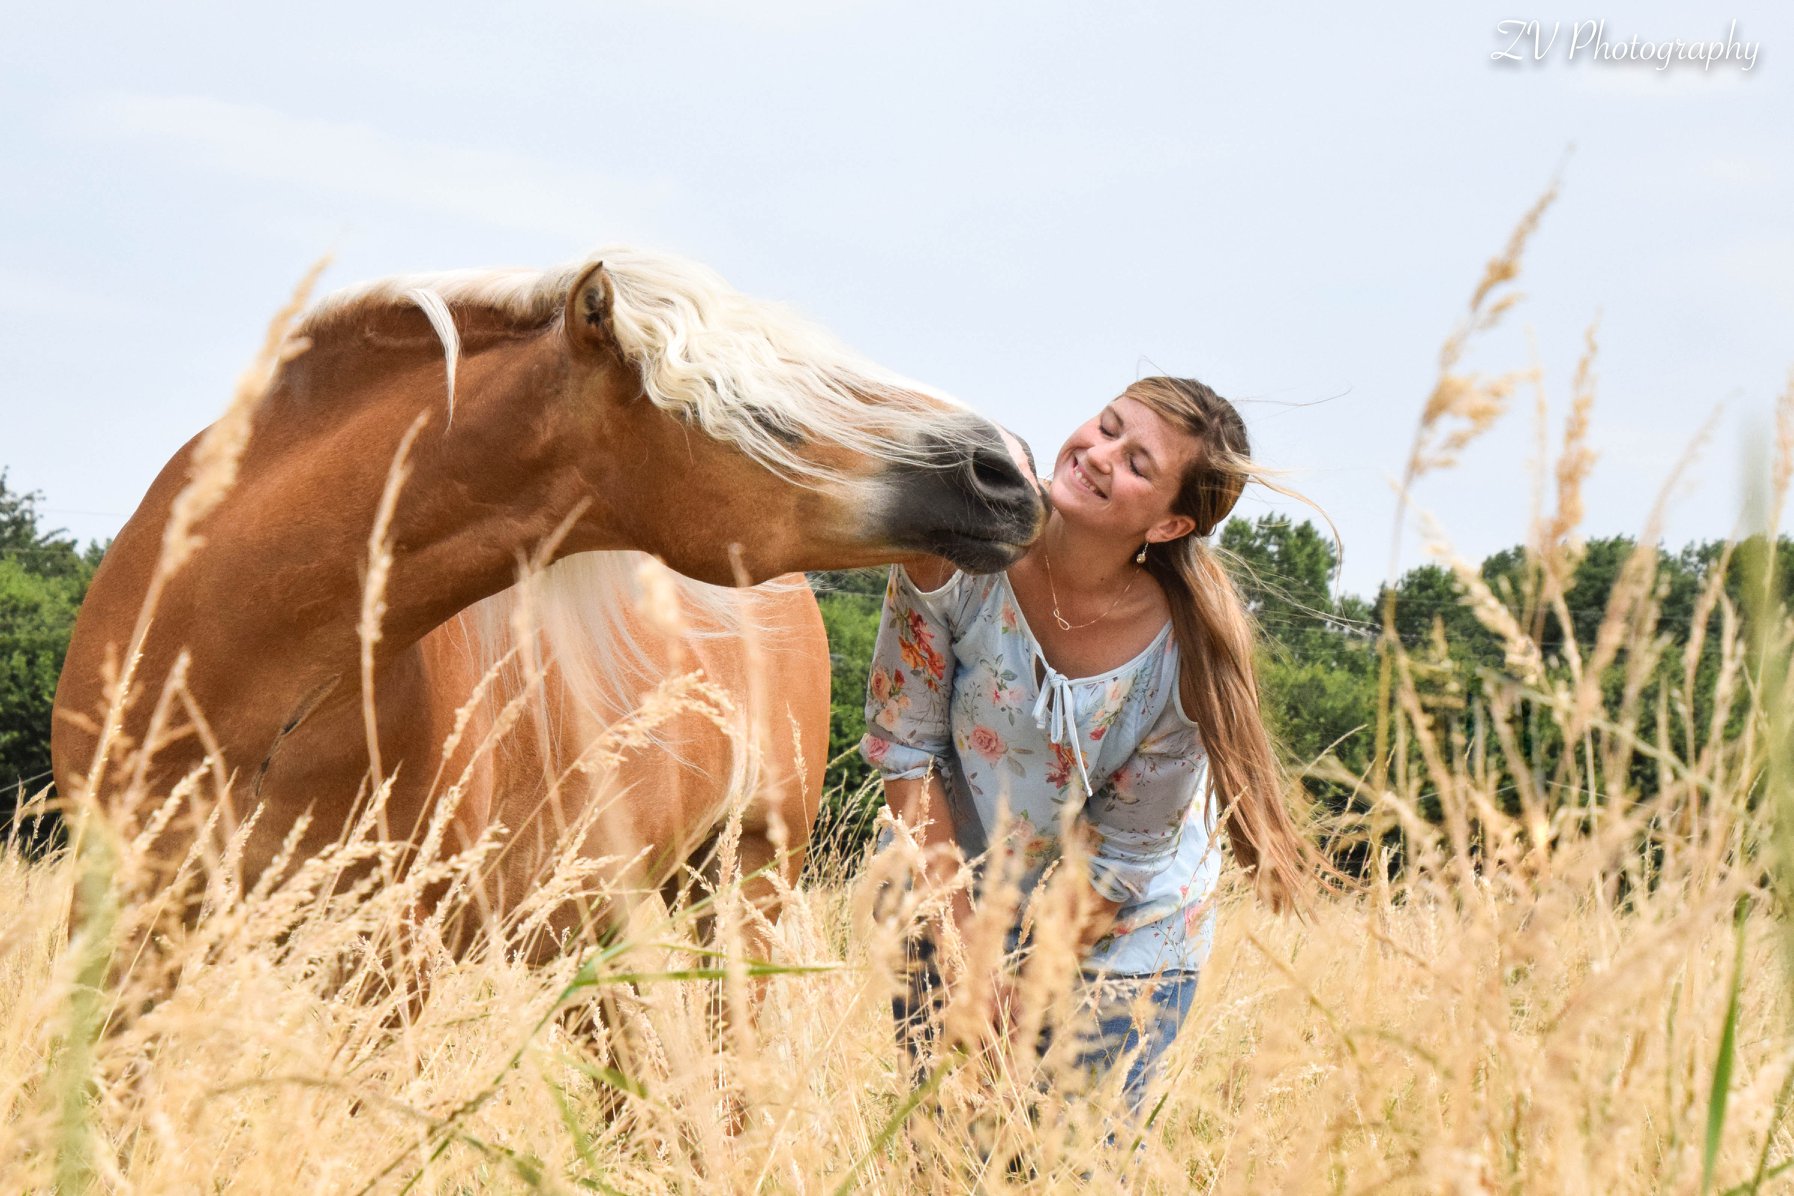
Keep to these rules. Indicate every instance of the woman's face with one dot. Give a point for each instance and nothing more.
(1121, 470)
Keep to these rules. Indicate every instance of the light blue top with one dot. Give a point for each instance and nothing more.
(998, 729)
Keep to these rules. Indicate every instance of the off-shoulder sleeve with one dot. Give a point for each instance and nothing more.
(1139, 811)
(909, 691)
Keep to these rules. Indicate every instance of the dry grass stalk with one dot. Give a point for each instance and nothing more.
(1533, 1001)
(1474, 403)
(373, 589)
(1522, 654)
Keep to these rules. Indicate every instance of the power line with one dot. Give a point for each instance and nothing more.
(26, 782)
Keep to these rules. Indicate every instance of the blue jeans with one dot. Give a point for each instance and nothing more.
(917, 1006)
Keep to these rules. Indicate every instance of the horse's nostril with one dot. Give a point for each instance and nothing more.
(993, 472)
(982, 469)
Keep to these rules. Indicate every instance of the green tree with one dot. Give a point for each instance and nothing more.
(36, 614)
(1285, 572)
(43, 577)
(1317, 664)
(851, 602)
(1429, 600)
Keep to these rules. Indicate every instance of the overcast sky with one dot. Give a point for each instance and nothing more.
(1027, 204)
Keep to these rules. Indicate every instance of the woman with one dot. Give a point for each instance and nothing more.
(1092, 690)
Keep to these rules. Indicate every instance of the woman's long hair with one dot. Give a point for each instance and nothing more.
(1216, 638)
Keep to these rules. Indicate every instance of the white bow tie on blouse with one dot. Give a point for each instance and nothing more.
(1055, 712)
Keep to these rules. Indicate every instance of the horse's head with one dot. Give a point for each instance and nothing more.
(735, 441)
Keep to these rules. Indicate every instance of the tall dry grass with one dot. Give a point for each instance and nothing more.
(1568, 986)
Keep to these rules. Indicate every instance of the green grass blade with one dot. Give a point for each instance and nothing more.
(1756, 1182)
(942, 1070)
(72, 1085)
(1775, 1120)
(1722, 1067)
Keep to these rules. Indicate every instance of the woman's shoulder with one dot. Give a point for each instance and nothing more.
(945, 593)
(1164, 726)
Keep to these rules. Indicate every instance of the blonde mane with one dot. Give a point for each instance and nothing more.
(590, 617)
(749, 372)
(745, 371)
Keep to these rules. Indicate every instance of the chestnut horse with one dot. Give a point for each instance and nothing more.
(598, 420)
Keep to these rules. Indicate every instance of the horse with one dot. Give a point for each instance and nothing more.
(467, 494)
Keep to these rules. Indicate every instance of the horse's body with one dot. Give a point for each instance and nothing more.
(658, 802)
(591, 417)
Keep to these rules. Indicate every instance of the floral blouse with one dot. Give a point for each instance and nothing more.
(959, 684)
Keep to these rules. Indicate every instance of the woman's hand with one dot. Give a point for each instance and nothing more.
(1096, 918)
(920, 803)
(1006, 1014)
(984, 1012)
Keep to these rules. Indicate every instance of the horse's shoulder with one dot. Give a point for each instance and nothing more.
(792, 615)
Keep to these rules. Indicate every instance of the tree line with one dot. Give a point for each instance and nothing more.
(1321, 652)
(1322, 655)
(43, 578)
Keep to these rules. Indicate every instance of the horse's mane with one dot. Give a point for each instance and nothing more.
(746, 371)
(589, 615)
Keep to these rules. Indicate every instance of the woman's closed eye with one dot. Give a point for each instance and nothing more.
(1108, 433)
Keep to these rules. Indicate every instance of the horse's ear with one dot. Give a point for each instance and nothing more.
(590, 302)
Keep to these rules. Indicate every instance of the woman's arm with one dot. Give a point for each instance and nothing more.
(1137, 817)
(908, 710)
(921, 804)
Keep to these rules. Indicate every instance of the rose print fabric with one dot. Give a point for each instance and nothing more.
(959, 685)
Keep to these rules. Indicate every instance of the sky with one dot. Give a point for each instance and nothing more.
(1026, 204)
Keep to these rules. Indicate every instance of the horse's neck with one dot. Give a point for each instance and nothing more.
(351, 355)
(477, 494)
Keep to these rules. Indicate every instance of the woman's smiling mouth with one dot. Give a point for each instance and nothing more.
(1084, 479)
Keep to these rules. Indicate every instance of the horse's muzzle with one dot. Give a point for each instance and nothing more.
(973, 500)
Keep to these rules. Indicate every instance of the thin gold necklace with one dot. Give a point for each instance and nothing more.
(1054, 591)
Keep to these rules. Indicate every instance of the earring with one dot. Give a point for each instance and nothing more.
(1140, 557)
